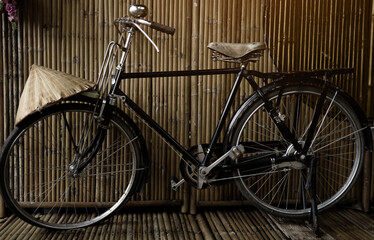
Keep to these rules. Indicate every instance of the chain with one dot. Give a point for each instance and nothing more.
(249, 175)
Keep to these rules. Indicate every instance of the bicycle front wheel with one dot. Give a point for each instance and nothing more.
(338, 147)
(36, 182)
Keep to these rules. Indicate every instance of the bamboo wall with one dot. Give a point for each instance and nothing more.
(319, 34)
(71, 36)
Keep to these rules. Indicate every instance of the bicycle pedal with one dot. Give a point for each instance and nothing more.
(175, 183)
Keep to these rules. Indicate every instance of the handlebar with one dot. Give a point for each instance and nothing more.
(154, 25)
(162, 28)
(128, 23)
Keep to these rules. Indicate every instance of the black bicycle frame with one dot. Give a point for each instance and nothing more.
(241, 73)
(158, 128)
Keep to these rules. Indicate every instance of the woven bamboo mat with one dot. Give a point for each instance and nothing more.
(222, 223)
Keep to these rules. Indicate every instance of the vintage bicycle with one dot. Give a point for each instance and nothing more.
(293, 148)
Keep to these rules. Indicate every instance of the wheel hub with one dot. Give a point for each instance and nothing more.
(302, 158)
(292, 151)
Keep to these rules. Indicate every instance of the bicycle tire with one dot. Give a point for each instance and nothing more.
(338, 148)
(35, 180)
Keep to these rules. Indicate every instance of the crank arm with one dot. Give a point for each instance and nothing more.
(234, 153)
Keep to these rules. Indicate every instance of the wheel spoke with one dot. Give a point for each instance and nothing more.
(38, 163)
(337, 144)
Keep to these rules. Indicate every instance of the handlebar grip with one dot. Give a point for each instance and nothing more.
(162, 28)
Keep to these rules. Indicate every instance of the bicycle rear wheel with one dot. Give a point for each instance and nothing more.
(338, 148)
(36, 182)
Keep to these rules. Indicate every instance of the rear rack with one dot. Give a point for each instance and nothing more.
(272, 75)
(311, 73)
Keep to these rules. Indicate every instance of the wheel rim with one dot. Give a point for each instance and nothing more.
(280, 191)
(93, 195)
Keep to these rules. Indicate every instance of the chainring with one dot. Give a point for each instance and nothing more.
(189, 169)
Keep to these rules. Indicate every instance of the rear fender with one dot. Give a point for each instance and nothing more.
(295, 82)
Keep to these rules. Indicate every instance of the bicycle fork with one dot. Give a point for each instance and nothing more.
(81, 160)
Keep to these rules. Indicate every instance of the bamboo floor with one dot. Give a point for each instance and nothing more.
(221, 223)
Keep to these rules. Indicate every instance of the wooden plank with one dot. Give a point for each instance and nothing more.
(203, 225)
(361, 222)
(177, 225)
(221, 224)
(297, 228)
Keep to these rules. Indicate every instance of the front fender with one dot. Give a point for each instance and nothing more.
(92, 97)
(144, 161)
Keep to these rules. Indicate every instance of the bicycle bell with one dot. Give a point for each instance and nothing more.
(138, 11)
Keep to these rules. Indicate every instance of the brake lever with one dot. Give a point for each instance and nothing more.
(146, 35)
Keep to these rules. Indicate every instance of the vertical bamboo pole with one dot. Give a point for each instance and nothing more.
(354, 89)
(214, 88)
(276, 34)
(53, 36)
(199, 9)
(164, 93)
(161, 92)
(367, 57)
(221, 79)
(184, 87)
(204, 131)
(357, 92)
(183, 52)
(74, 32)
(369, 107)
(156, 105)
(101, 48)
(269, 31)
(64, 37)
(207, 112)
(303, 37)
(325, 36)
(77, 57)
(2, 112)
(177, 104)
(174, 95)
(315, 9)
(289, 36)
(7, 47)
(161, 82)
(148, 98)
(45, 32)
(155, 109)
(194, 96)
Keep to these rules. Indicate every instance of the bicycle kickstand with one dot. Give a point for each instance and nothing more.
(312, 188)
